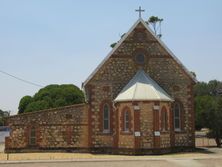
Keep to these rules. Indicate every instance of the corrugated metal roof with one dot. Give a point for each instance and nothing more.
(142, 88)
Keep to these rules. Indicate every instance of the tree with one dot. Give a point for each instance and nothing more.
(3, 115)
(213, 120)
(156, 21)
(51, 96)
(24, 103)
(208, 108)
(201, 89)
(203, 104)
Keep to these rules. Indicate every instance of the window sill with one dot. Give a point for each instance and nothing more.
(165, 131)
(32, 146)
(106, 133)
(126, 133)
(179, 131)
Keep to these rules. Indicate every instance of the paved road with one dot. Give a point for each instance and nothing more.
(97, 164)
(140, 163)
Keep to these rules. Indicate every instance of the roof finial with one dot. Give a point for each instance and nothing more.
(140, 11)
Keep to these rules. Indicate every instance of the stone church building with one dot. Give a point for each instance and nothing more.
(139, 100)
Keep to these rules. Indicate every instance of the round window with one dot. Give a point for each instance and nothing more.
(140, 58)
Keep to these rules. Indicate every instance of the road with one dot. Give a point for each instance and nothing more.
(129, 163)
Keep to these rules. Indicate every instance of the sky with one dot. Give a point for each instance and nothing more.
(63, 41)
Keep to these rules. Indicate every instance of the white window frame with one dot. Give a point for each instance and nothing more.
(106, 119)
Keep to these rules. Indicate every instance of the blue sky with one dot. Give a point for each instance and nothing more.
(62, 41)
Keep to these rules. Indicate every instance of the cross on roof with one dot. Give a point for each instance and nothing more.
(140, 11)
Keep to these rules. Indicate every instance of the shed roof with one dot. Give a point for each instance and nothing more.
(142, 88)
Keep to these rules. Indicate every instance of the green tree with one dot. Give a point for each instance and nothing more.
(156, 23)
(208, 108)
(213, 120)
(201, 89)
(203, 104)
(3, 116)
(51, 96)
(24, 103)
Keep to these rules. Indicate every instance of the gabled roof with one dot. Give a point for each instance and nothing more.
(140, 20)
(142, 88)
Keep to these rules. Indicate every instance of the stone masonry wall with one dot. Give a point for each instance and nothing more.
(65, 127)
(121, 67)
(125, 139)
(146, 127)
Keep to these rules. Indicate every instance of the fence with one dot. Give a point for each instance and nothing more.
(201, 139)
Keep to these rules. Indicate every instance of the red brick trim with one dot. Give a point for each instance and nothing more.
(59, 109)
(109, 103)
(136, 52)
(90, 127)
(122, 122)
(116, 136)
(37, 135)
(106, 89)
(191, 111)
(182, 115)
(164, 113)
(171, 120)
(137, 128)
(156, 126)
(69, 134)
(156, 116)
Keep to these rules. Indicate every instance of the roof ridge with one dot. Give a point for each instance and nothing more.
(134, 94)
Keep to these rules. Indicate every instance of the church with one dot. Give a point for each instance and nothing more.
(139, 100)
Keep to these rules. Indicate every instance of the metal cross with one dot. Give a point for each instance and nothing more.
(140, 11)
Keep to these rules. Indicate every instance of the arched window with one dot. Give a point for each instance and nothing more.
(32, 136)
(126, 121)
(177, 116)
(164, 119)
(106, 118)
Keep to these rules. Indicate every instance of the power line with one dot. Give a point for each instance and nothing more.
(20, 79)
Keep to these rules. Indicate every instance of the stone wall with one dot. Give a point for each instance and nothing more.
(125, 139)
(121, 67)
(60, 128)
(145, 125)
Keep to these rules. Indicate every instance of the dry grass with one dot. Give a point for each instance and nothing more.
(86, 156)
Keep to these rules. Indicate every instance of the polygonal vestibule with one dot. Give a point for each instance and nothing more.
(144, 115)
(144, 125)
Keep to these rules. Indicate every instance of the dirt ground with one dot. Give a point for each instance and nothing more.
(2, 147)
(128, 163)
(207, 157)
